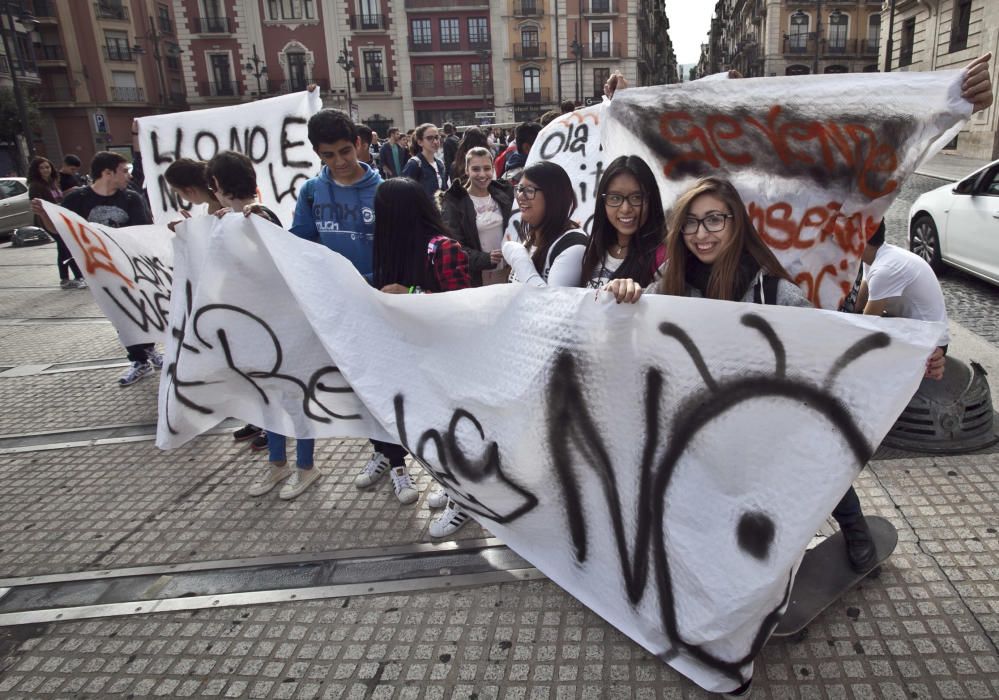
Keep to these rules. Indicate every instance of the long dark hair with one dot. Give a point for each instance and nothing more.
(472, 138)
(560, 202)
(724, 277)
(405, 221)
(35, 172)
(639, 263)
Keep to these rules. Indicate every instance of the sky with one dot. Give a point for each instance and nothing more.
(689, 22)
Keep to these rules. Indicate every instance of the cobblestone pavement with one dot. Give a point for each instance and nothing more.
(927, 628)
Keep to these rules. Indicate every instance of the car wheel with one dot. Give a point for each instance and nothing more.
(924, 241)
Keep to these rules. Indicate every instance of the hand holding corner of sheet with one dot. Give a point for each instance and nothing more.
(976, 87)
(625, 291)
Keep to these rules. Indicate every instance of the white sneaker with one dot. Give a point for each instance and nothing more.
(155, 358)
(300, 480)
(437, 498)
(135, 372)
(450, 521)
(79, 284)
(374, 470)
(276, 472)
(403, 485)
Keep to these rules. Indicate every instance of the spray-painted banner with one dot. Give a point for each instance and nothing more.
(816, 160)
(271, 132)
(639, 455)
(129, 271)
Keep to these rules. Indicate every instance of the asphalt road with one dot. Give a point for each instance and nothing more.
(970, 301)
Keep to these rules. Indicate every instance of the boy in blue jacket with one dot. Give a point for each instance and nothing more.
(337, 208)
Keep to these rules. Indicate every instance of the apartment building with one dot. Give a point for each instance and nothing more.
(17, 65)
(100, 64)
(942, 35)
(788, 37)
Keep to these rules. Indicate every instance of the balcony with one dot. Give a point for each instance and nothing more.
(227, 88)
(177, 98)
(475, 44)
(172, 62)
(368, 23)
(530, 52)
(213, 25)
(870, 47)
(531, 97)
(799, 45)
(603, 49)
(599, 7)
(446, 4)
(376, 84)
(528, 8)
(108, 10)
(452, 88)
(118, 52)
(127, 94)
(49, 52)
(166, 25)
(47, 93)
(284, 87)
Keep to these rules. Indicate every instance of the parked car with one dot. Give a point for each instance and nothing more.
(958, 225)
(15, 207)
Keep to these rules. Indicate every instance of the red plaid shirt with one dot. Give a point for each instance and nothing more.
(450, 263)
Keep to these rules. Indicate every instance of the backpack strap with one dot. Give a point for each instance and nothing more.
(765, 289)
(562, 243)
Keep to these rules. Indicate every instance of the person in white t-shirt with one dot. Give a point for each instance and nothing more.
(901, 284)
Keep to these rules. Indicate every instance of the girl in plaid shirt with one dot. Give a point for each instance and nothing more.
(413, 254)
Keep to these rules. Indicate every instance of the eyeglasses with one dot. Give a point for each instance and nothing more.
(713, 223)
(435, 137)
(527, 192)
(635, 199)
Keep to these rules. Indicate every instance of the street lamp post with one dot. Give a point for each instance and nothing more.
(889, 45)
(153, 37)
(29, 22)
(346, 61)
(577, 53)
(485, 54)
(254, 68)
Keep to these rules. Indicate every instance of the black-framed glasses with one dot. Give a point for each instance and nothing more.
(635, 199)
(713, 223)
(527, 192)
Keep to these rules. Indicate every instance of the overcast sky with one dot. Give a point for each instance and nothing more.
(689, 22)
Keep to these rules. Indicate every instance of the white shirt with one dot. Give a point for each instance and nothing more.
(607, 269)
(488, 222)
(565, 271)
(909, 285)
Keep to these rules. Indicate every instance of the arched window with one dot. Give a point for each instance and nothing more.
(532, 84)
(798, 41)
(797, 69)
(836, 69)
(297, 63)
(838, 25)
(873, 33)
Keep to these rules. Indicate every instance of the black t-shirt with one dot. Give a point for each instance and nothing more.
(123, 208)
(69, 181)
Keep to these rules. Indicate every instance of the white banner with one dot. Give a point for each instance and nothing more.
(271, 132)
(816, 161)
(129, 272)
(665, 462)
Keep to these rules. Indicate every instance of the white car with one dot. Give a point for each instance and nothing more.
(958, 225)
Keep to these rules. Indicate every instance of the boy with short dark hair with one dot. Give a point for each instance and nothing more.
(337, 208)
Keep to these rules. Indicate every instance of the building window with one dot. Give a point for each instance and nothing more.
(290, 9)
(873, 33)
(532, 83)
(478, 31)
(297, 71)
(124, 88)
(163, 16)
(373, 76)
(371, 17)
(423, 81)
(838, 24)
(600, 6)
(530, 48)
(213, 8)
(908, 39)
(960, 23)
(450, 34)
(221, 75)
(601, 47)
(420, 31)
(480, 77)
(600, 76)
(117, 46)
(798, 36)
(173, 56)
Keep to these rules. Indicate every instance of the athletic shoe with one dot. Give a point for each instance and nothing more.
(742, 692)
(66, 284)
(374, 470)
(259, 442)
(275, 472)
(135, 372)
(79, 284)
(403, 485)
(155, 358)
(450, 521)
(437, 498)
(246, 432)
(299, 481)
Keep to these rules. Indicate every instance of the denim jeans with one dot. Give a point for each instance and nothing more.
(396, 453)
(304, 450)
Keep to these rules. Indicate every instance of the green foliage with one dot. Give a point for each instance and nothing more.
(10, 120)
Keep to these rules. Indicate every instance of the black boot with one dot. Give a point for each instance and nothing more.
(859, 546)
